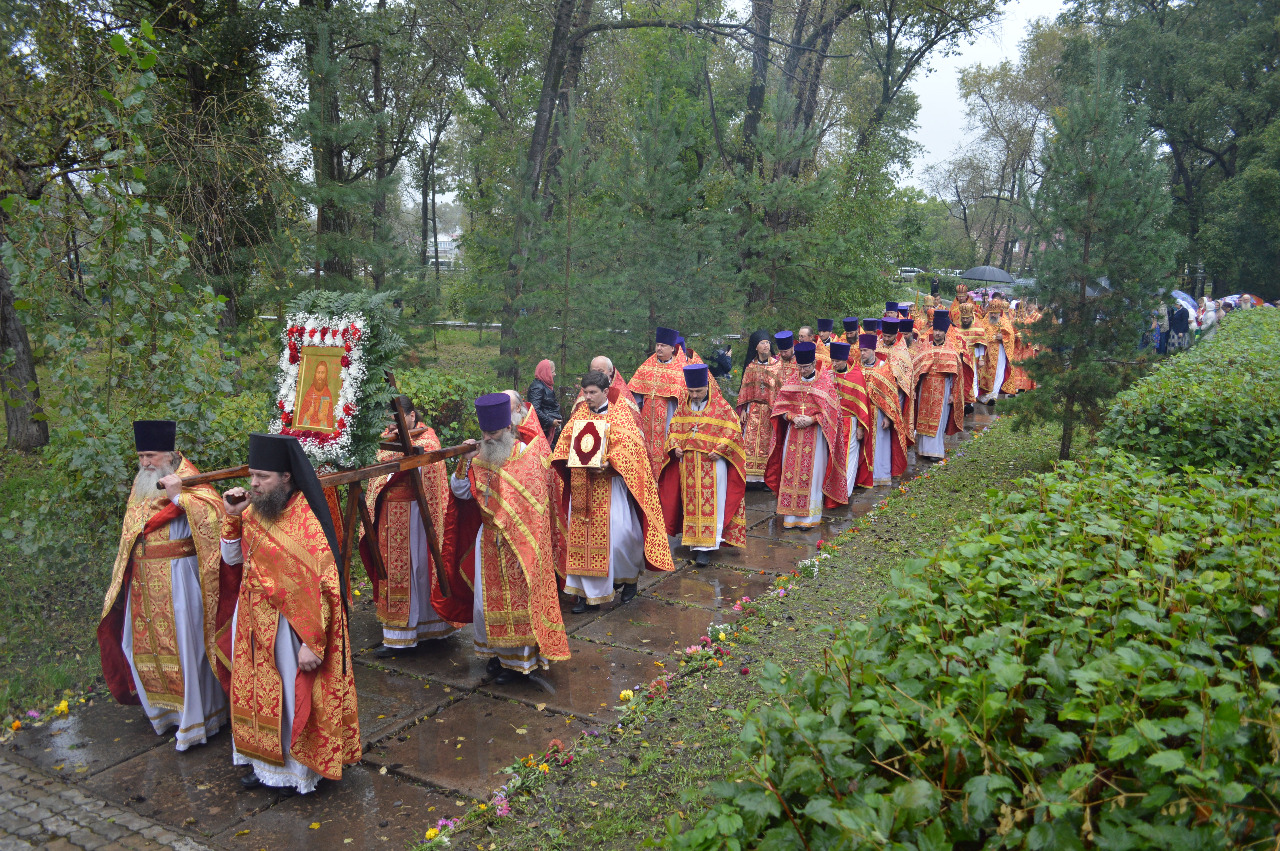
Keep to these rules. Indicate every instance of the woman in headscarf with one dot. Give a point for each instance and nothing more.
(760, 382)
(542, 398)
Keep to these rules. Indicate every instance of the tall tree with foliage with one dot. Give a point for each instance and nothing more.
(1101, 211)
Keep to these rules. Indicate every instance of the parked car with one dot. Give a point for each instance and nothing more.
(908, 273)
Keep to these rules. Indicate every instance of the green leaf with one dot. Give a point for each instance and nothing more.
(119, 45)
(1168, 760)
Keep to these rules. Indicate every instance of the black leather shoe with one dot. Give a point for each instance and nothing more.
(582, 607)
(493, 666)
(385, 652)
(702, 559)
(968, 409)
(628, 592)
(250, 781)
(509, 677)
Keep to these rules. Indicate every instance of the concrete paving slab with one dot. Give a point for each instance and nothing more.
(826, 529)
(363, 627)
(449, 662)
(463, 748)
(772, 556)
(93, 738)
(365, 810)
(713, 587)
(653, 625)
(198, 789)
(388, 700)
(587, 685)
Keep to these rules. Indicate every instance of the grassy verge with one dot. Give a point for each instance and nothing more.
(617, 788)
(48, 649)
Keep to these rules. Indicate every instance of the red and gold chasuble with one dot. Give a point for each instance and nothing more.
(822, 352)
(998, 330)
(391, 500)
(510, 510)
(1022, 351)
(934, 364)
(143, 561)
(530, 431)
(965, 341)
(590, 492)
(760, 384)
(882, 390)
(688, 486)
(289, 570)
(856, 410)
(792, 480)
(954, 310)
(902, 365)
(655, 383)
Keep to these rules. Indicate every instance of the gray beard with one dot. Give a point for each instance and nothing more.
(495, 452)
(270, 505)
(144, 484)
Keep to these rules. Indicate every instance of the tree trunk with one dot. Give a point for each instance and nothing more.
(568, 82)
(1068, 428)
(509, 346)
(18, 382)
(762, 21)
(380, 165)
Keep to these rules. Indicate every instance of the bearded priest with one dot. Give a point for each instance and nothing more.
(786, 343)
(499, 553)
(703, 483)
(855, 413)
(802, 469)
(658, 386)
(293, 690)
(403, 593)
(939, 393)
(158, 618)
(970, 342)
(616, 526)
(755, 400)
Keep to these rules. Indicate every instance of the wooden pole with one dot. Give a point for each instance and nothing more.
(343, 477)
(420, 495)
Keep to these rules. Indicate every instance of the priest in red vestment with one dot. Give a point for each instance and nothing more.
(855, 413)
(889, 438)
(498, 553)
(159, 616)
(658, 386)
(619, 394)
(529, 430)
(616, 527)
(403, 592)
(803, 470)
(939, 394)
(786, 343)
(293, 690)
(702, 484)
(823, 342)
(760, 383)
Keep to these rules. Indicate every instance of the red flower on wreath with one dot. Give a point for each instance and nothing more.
(294, 355)
(348, 409)
(346, 347)
(341, 423)
(286, 418)
(346, 361)
(280, 404)
(587, 441)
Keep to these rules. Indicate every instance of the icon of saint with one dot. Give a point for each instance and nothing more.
(317, 402)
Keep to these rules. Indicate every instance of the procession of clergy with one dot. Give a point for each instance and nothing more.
(230, 606)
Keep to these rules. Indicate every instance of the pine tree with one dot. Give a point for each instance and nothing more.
(1106, 251)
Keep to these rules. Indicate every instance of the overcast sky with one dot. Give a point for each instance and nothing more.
(941, 119)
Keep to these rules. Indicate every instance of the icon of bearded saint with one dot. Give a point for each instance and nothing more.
(317, 402)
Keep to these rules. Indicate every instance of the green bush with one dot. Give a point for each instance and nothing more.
(445, 401)
(1094, 664)
(1213, 405)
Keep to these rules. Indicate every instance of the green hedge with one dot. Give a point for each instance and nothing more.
(445, 401)
(1094, 664)
(1217, 404)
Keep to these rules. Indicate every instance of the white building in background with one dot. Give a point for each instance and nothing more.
(450, 251)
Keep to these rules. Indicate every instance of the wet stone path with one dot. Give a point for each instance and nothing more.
(436, 729)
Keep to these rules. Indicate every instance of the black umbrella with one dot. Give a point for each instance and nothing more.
(992, 274)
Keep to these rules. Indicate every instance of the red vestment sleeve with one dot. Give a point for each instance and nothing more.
(773, 467)
(670, 497)
(229, 577)
(461, 523)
